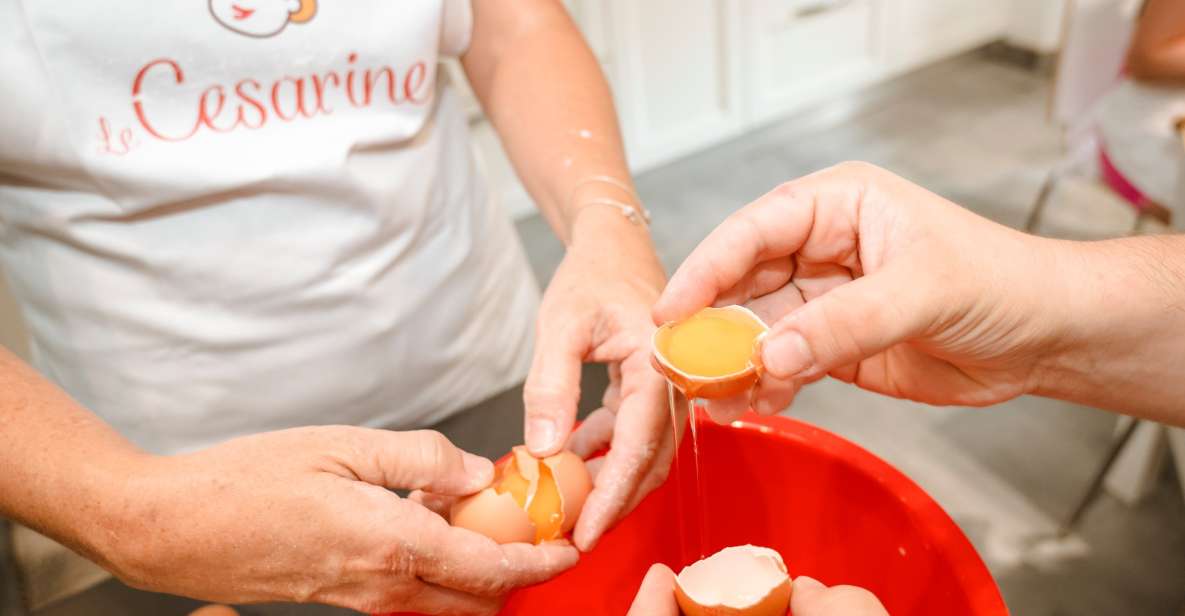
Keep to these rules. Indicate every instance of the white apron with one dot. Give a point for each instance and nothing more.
(229, 216)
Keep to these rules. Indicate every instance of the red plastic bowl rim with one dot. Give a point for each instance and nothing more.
(962, 556)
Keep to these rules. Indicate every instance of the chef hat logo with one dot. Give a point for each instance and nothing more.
(307, 9)
(261, 18)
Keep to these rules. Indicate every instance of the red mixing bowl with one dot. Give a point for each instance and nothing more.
(835, 512)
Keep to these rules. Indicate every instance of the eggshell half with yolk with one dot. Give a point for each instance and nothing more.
(744, 580)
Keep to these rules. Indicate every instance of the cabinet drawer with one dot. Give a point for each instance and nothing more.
(819, 38)
(801, 47)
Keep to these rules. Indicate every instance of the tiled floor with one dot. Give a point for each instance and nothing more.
(973, 130)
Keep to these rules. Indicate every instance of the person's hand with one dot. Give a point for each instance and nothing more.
(306, 515)
(808, 597)
(811, 597)
(873, 280)
(597, 309)
(656, 595)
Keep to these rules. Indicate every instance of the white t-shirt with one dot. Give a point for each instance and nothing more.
(229, 216)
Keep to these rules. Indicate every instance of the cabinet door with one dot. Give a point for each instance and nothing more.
(803, 51)
(677, 70)
(925, 30)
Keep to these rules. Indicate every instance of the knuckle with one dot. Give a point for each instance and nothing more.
(398, 558)
(857, 168)
(493, 587)
(435, 450)
(538, 398)
(491, 583)
(330, 433)
(785, 190)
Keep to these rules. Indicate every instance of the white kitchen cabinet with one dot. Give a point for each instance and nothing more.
(687, 74)
(798, 52)
(677, 64)
(921, 31)
(1037, 24)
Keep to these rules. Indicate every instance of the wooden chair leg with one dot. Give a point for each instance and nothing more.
(1152, 211)
(1159, 213)
(1034, 219)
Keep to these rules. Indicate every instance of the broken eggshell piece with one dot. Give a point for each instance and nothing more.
(721, 330)
(744, 580)
(529, 501)
(494, 515)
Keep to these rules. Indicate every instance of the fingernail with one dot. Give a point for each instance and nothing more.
(479, 470)
(541, 435)
(586, 543)
(786, 354)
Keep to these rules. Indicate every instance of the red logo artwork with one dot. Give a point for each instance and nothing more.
(251, 103)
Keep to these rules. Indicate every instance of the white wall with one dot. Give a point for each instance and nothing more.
(1037, 24)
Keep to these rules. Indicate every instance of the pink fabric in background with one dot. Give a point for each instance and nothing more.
(1118, 183)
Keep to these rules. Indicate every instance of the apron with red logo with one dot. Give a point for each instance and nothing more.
(228, 216)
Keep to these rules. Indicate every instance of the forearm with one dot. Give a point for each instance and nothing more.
(545, 94)
(1158, 46)
(1160, 64)
(1120, 309)
(63, 467)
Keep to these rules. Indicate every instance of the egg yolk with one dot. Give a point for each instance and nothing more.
(712, 343)
(544, 507)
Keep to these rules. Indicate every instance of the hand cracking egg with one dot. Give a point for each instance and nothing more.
(744, 580)
(530, 501)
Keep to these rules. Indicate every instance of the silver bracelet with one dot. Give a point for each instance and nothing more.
(637, 215)
(605, 179)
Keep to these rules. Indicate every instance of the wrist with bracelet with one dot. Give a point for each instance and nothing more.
(630, 207)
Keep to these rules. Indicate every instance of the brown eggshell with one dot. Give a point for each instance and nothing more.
(494, 515)
(736, 581)
(574, 483)
(214, 610)
(527, 464)
(695, 386)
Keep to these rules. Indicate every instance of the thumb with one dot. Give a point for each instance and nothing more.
(656, 596)
(849, 323)
(811, 598)
(552, 390)
(420, 460)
